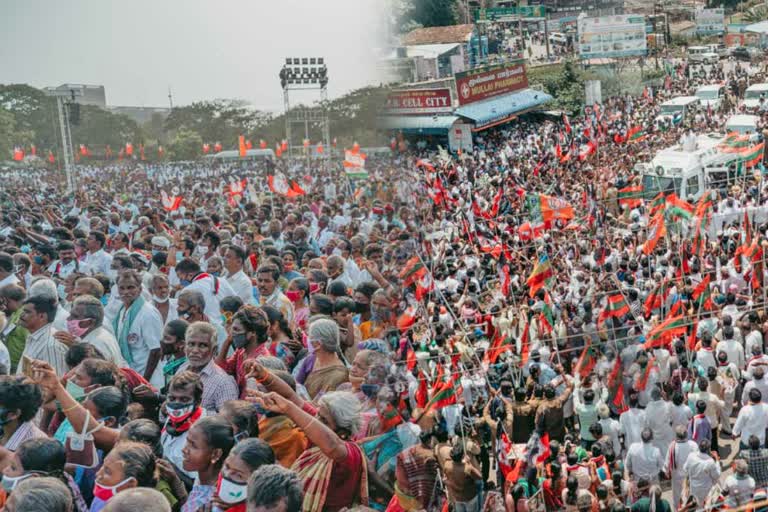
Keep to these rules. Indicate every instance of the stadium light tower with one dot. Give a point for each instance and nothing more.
(65, 100)
(308, 74)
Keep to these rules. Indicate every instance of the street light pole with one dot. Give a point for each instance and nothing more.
(66, 135)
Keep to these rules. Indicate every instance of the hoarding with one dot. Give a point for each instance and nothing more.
(612, 36)
(490, 81)
(710, 21)
(419, 101)
(510, 13)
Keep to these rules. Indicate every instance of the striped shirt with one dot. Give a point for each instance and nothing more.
(43, 346)
(218, 386)
(25, 431)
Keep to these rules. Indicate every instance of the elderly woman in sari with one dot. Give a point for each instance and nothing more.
(328, 372)
(334, 469)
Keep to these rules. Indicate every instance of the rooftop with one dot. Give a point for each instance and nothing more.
(439, 35)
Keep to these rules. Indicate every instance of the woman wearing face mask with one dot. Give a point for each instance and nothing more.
(289, 265)
(41, 457)
(208, 445)
(249, 335)
(244, 418)
(328, 371)
(282, 344)
(298, 294)
(246, 457)
(128, 465)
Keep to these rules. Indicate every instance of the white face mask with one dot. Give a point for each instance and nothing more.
(159, 300)
(202, 250)
(232, 492)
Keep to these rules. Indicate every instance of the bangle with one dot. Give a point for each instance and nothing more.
(69, 408)
(266, 379)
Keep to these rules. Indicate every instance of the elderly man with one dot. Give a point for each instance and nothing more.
(190, 306)
(161, 298)
(85, 324)
(702, 471)
(44, 287)
(37, 317)
(677, 454)
(88, 286)
(200, 349)
(644, 459)
(752, 419)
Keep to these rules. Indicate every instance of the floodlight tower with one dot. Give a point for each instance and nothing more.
(307, 74)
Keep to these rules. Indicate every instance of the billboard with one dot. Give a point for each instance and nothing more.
(612, 36)
(510, 13)
(419, 101)
(710, 21)
(490, 81)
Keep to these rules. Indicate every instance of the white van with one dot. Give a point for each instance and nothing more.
(702, 55)
(711, 95)
(753, 94)
(675, 110)
(718, 48)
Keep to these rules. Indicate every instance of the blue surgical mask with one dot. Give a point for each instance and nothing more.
(179, 256)
(154, 252)
(184, 282)
(104, 299)
(26, 248)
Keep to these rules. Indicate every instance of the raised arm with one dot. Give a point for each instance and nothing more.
(274, 384)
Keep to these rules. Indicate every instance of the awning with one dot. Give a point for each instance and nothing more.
(426, 124)
(760, 27)
(503, 108)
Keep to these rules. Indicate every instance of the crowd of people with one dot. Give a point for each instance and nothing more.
(502, 329)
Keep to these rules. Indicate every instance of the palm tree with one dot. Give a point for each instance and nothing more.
(756, 13)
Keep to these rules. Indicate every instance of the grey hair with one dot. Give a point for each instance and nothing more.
(138, 498)
(272, 484)
(205, 329)
(345, 409)
(326, 332)
(193, 298)
(159, 277)
(272, 363)
(43, 493)
(92, 308)
(44, 287)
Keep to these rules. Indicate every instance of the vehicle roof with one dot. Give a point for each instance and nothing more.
(711, 87)
(758, 87)
(706, 151)
(681, 100)
(742, 119)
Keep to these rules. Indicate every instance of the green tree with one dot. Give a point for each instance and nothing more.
(218, 120)
(99, 128)
(7, 133)
(34, 111)
(428, 13)
(185, 145)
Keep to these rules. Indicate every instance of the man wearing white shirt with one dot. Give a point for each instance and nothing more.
(659, 420)
(755, 337)
(37, 317)
(752, 419)
(632, 422)
(97, 261)
(241, 284)
(702, 471)
(85, 325)
(732, 348)
(67, 262)
(676, 456)
(212, 288)
(138, 329)
(644, 459)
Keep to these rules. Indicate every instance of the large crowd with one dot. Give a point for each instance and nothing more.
(503, 329)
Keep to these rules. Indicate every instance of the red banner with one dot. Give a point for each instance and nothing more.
(420, 101)
(490, 81)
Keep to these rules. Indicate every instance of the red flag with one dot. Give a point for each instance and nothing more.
(306, 143)
(128, 148)
(18, 154)
(83, 150)
(279, 185)
(141, 152)
(284, 145)
(108, 152)
(160, 151)
(206, 148)
(51, 158)
(422, 393)
(248, 144)
(320, 147)
(263, 144)
(217, 147)
(33, 150)
(566, 123)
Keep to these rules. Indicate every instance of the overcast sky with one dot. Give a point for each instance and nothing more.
(202, 49)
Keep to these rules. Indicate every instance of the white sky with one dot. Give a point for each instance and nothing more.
(202, 49)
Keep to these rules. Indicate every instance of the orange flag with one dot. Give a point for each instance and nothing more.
(241, 146)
